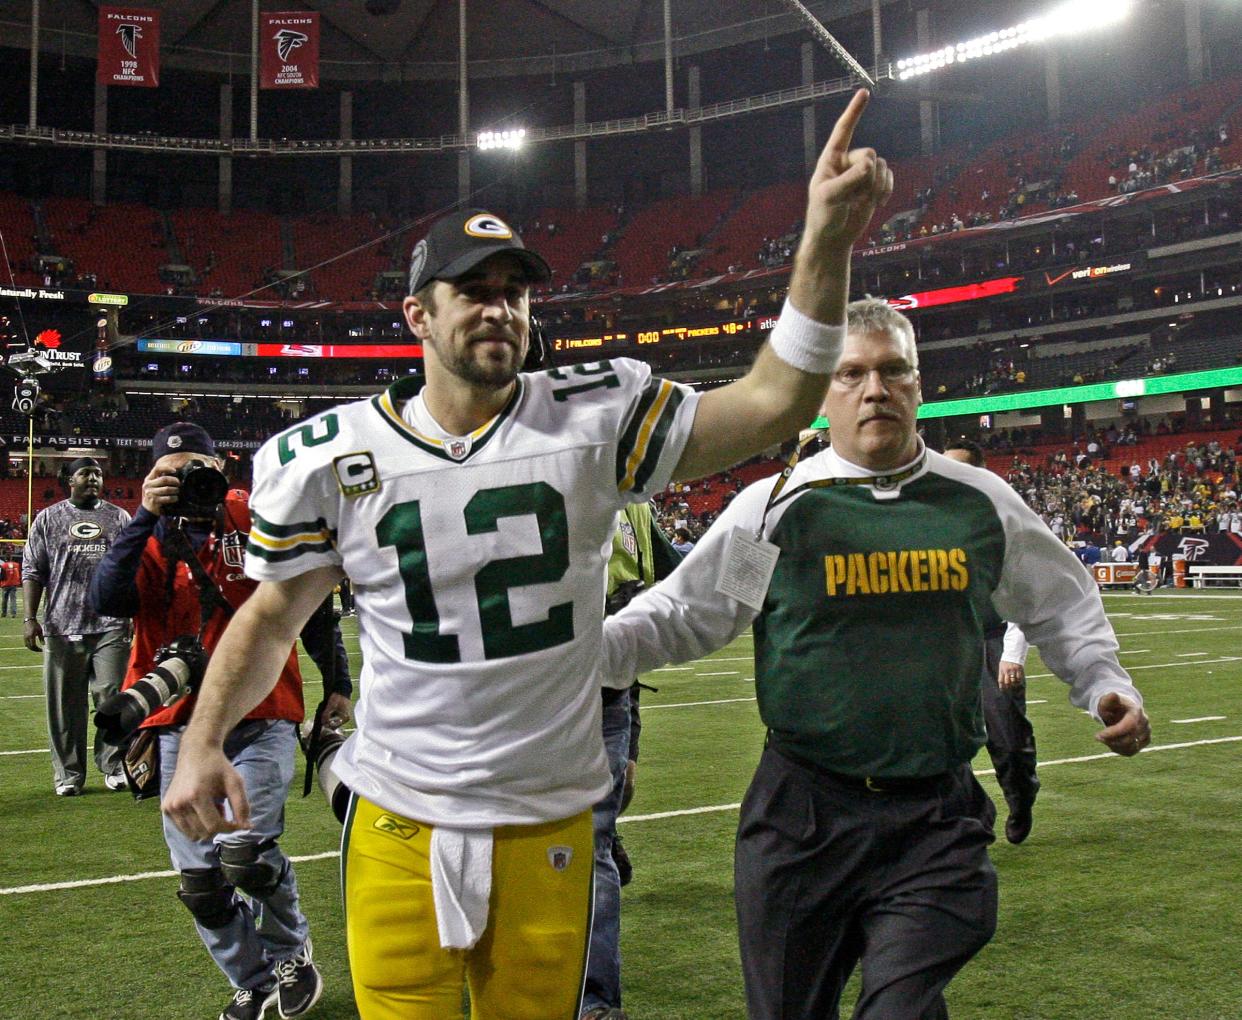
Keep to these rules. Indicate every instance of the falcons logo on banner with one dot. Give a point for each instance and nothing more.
(287, 41)
(289, 57)
(129, 47)
(130, 34)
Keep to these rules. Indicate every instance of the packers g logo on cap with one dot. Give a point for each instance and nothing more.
(487, 225)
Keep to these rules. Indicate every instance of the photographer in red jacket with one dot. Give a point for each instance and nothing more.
(177, 570)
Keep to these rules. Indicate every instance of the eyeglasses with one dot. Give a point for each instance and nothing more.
(895, 373)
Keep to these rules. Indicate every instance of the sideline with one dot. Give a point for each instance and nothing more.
(628, 819)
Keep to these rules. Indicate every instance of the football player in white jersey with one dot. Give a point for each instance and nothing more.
(473, 517)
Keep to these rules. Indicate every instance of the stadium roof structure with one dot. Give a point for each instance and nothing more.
(419, 39)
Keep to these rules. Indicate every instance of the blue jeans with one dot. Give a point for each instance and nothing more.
(603, 977)
(262, 932)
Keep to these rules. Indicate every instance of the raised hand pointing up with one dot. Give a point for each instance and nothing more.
(843, 193)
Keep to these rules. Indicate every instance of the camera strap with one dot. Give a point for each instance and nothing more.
(210, 597)
(326, 612)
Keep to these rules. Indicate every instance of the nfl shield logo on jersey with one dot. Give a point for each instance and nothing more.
(560, 856)
(457, 448)
(233, 545)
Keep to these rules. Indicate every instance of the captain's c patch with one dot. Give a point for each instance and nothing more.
(356, 474)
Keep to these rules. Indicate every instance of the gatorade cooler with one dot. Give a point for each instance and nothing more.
(1179, 570)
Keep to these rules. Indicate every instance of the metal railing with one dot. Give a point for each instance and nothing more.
(660, 120)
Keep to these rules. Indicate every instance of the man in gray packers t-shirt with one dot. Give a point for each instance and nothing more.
(84, 653)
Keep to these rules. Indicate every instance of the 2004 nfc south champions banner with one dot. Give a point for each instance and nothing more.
(289, 50)
(129, 47)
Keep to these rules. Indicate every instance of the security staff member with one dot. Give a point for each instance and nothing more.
(83, 651)
(1011, 737)
(863, 837)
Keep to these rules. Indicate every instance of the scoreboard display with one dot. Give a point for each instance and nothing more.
(668, 334)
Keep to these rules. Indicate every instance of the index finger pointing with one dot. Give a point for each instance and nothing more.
(843, 131)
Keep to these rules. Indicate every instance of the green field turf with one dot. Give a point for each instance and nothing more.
(1124, 903)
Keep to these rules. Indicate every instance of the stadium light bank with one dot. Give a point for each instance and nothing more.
(509, 139)
(1073, 18)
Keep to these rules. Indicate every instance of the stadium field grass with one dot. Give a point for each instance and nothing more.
(1124, 903)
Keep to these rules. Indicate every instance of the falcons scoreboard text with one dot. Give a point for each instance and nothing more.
(669, 334)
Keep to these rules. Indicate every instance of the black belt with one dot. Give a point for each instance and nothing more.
(868, 784)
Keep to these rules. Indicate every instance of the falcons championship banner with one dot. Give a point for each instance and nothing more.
(129, 47)
(289, 50)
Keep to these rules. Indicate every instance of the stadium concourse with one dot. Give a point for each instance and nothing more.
(212, 244)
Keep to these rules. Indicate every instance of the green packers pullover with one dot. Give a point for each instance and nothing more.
(869, 646)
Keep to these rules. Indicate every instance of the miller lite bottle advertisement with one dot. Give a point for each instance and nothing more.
(101, 366)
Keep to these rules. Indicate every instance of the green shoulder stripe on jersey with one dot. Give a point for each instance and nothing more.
(388, 405)
(284, 555)
(625, 446)
(277, 543)
(274, 530)
(643, 441)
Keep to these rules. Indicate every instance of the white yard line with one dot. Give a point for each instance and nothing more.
(695, 704)
(1154, 665)
(1169, 595)
(628, 819)
(1147, 634)
(1202, 718)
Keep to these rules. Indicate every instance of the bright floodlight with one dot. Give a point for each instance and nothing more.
(508, 139)
(1072, 18)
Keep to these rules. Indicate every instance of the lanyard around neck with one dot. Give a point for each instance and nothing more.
(881, 482)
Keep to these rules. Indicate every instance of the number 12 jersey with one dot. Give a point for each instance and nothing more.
(478, 565)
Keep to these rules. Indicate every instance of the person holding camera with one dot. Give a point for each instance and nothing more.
(83, 651)
(177, 570)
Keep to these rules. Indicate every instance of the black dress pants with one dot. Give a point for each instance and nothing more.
(829, 874)
(1011, 738)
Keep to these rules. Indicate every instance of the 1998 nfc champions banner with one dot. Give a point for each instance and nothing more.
(129, 47)
(289, 50)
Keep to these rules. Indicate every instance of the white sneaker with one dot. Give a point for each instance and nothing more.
(116, 782)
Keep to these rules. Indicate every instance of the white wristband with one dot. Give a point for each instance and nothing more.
(808, 345)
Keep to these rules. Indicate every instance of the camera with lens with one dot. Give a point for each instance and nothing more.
(203, 488)
(179, 668)
(320, 750)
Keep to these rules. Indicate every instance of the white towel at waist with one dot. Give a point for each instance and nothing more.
(461, 884)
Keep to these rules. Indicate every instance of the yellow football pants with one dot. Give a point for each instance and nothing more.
(530, 962)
